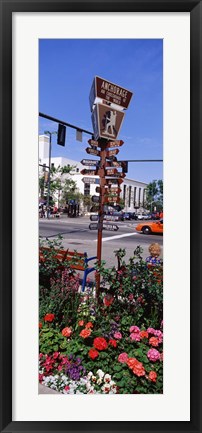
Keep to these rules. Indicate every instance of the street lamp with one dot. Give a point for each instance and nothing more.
(49, 165)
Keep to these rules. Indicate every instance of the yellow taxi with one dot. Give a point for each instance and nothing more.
(150, 227)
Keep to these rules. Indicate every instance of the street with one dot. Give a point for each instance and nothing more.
(77, 236)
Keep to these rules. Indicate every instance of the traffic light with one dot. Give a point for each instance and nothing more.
(124, 166)
(61, 134)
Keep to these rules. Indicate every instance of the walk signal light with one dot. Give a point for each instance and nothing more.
(61, 134)
(124, 166)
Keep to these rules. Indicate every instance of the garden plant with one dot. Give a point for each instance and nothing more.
(110, 344)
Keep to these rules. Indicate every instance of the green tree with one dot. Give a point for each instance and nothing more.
(154, 195)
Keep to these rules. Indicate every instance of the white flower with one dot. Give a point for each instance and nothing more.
(107, 378)
(99, 381)
(100, 373)
(105, 388)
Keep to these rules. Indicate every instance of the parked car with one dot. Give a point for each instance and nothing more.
(142, 216)
(150, 227)
(129, 215)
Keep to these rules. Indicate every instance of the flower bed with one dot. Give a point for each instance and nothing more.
(112, 344)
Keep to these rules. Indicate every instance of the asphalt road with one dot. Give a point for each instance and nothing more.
(77, 236)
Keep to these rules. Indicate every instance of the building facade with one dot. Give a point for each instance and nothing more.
(133, 192)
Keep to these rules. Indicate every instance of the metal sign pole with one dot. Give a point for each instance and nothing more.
(102, 145)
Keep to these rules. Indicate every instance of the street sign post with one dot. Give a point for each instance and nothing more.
(114, 199)
(109, 171)
(110, 153)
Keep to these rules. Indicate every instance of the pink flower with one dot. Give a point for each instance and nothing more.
(123, 357)
(151, 330)
(135, 336)
(134, 329)
(158, 333)
(118, 335)
(67, 388)
(153, 355)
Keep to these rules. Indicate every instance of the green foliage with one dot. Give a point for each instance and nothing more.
(154, 195)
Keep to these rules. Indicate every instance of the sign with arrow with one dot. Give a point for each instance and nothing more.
(90, 180)
(95, 198)
(94, 217)
(112, 227)
(114, 199)
(89, 172)
(93, 226)
(92, 151)
(112, 153)
(110, 171)
(114, 190)
(116, 143)
(89, 162)
(118, 175)
(93, 143)
(114, 181)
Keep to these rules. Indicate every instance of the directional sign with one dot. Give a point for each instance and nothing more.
(89, 180)
(92, 151)
(95, 198)
(94, 217)
(93, 226)
(112, 199)
(114, 181)
(112, 153)
(118, 175)
(114, 190)
(93, 143)
(112, 227)
(116, 143)
(89, 162)
(110, 171)
(110, 92)
(106, 121)
(119, 164)
(94, 209)
(89, 172)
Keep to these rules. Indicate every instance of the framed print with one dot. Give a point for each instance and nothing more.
(149, 54)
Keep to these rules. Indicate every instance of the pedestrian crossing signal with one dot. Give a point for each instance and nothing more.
(61, 135)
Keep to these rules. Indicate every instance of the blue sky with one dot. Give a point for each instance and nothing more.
(66, 71)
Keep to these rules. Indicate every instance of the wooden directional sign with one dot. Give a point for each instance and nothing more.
(112, 153)
(118, 175)
(112, 227)
(94, 217)
(95, 198)
(114, 190)
(93, 143)
(110, 171)
(89, 172)
(110, 92)
(89, 162)
(116, 143)
(89, 180)
(114, 181)
(114, 199)
(93, 226)
(92, 151)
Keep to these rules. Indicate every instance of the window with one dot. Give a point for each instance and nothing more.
(86, 188)
(124, 193)
(129, 195)
(77, 170)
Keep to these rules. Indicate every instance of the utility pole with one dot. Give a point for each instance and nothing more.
(49, 164)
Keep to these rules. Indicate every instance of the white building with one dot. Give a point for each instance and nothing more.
(133, 192)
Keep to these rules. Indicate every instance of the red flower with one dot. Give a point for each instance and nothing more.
(40, 325)
(89, 325)
(49, 317)
(153, 376)
(100, 343)
(85, 333)
(93, 353)
(81, 322)
(108, 300)
(113, 343)
(66, 332)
